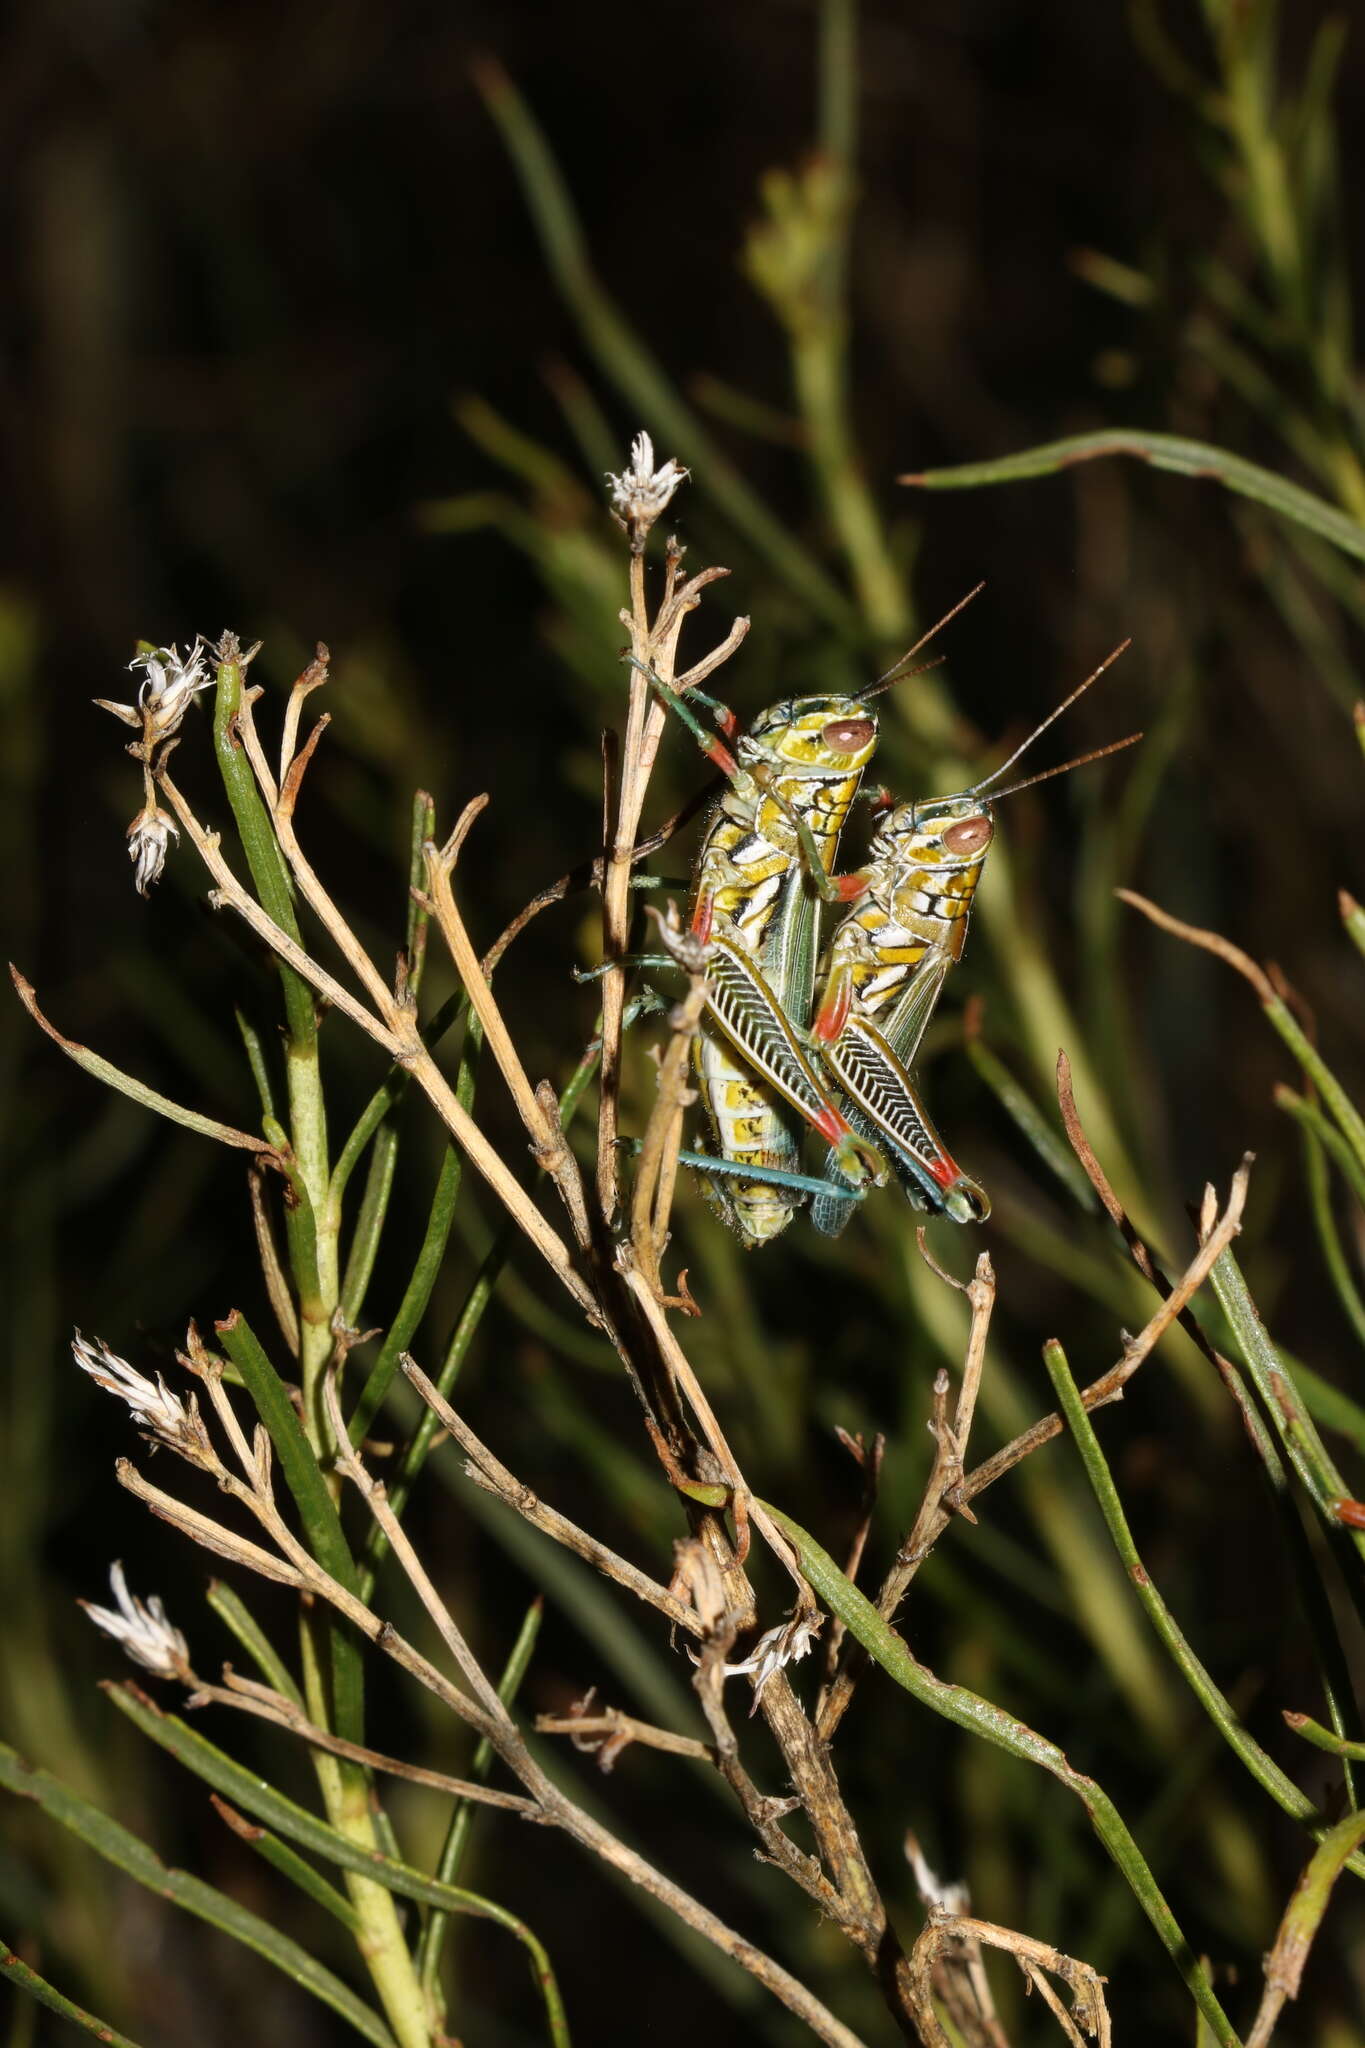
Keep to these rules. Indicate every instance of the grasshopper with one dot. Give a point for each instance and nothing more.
(753, 928)
(884, 971)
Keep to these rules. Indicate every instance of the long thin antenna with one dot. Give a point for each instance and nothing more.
(1051, 718)
(898, 672)
(1081, 761)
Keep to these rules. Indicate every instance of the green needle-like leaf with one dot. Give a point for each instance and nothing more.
(1163, 451)
(955, 1703)
(129, 1853)
(245, 1788)
(19, 1973)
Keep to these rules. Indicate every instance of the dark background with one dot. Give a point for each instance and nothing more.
(257, 255)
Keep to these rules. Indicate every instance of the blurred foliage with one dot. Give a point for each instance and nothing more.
(294, 354)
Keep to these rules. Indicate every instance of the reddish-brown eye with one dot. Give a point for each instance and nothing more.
(847, 735)
(968, 835)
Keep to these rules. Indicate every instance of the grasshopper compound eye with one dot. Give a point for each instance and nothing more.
(849, 735)
(968, 836)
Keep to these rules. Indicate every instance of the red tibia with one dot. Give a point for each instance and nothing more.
(728, 721)
(833, 1012)
(831, 1126)
(718, 753)
(849, 887)
(944, 1170)
(702, 915)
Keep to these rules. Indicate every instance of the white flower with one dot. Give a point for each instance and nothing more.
(168, 683)
(642, 492)
(143, 1629)
(149, 835)
(786, 1644)
(162, 1414)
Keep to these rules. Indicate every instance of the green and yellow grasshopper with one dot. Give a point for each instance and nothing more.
(753, 926)
(884, 971)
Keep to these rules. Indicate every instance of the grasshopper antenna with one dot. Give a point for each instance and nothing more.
(1081, 761)
(899, 672)
(1038, 730)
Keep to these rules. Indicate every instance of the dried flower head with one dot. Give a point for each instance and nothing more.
(143, 1629)
(149, 835)
(169, 681)
(164, 1417)
(786, 1644)
(642, 492)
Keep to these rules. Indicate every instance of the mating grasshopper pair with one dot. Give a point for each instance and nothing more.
(767, 1064)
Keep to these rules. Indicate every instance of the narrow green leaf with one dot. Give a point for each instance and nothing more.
(431, 1252)
(979, 1717)
(1036, 1127)
(290, 1864)
(428, 1957)
(1325, 1738)
(21, 1974)
(322, 1528)
(244, 1788)
(259, 843)
(257, 1061)
(125, 1084)
(1163, 451)
(129, 1853)
(233, 1612)
(1288, 1412)
(1239, 1739)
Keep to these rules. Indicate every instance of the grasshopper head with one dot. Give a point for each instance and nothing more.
(947, 834)
(818, 735)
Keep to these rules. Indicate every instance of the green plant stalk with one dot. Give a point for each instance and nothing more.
(1329, 1237)
(979, 1717)
(344, 1786)
(629, 364)
(1283, 1403)
(1307, 1905)
(1317, 1607)
(16, 1971)
(819, 352)
(244, 1788)
(1215, 1703)
(300, 1231)
(307, 1104)
(462, 1818)
(128, 1853)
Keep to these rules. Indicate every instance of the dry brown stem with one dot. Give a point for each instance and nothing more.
(489, 1472)
(653, 647)
(944, 1492)
(947, 1932)
(1209, 942)
(248, 1697)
